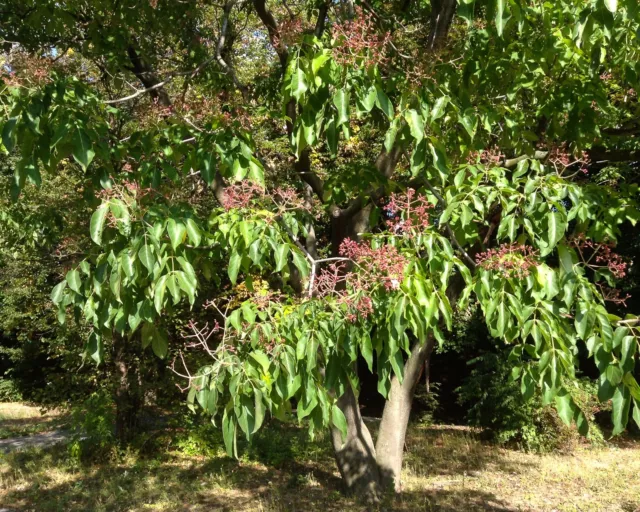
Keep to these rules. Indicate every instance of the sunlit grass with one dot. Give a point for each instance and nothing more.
(446, 469)
(21, 420)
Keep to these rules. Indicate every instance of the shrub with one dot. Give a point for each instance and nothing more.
(494, 401)
(93, 431)
(9, 392)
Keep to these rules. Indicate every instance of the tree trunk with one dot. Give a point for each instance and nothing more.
(127, 390)
(395, 417)
(442, 12)
(355, 455)
(148, 78)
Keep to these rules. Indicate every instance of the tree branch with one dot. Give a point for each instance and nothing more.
(272, 28)
(512, 162)
(221, 42)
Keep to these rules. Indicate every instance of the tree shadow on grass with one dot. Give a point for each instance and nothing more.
(283, 471)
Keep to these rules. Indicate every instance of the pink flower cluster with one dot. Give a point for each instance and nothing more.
(243, 193)
(358, 41)
(381, 265)
(509, 260)
(409, 212)
(290, 32)
(491, 156)
(332, 281)
(559, 156)
(598, 256)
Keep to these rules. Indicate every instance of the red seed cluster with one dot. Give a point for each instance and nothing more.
(600, 256)
(509, 260)
(614, 295)
(562, 158)
(409, 213)
(241, 194)
(383, 265)
(371, 268)
(490, 156)
(358, 43)
(290, 32)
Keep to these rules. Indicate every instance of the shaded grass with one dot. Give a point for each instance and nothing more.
(446, 469)
(17, 420)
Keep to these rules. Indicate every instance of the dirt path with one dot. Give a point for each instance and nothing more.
(34, 441)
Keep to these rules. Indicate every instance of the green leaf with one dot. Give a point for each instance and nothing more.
(194, 232)
(636, 411)
(158, 294)
(470, 122)
(8, 134)
(298, 84)
(500, 6)
(319, 61)
(565, 407)
(58, 292)
(259, 410)
(147, 333)
(74, 281)
(301, 263)
(128, 263)
(145, 254)
(384, 104)
(368, 100)
(612, 5)
(95, 347)
(96, 226)
(339, 421)
(341, 101)
(332, 136)
(416, 125)
(177, 232)
(207, 172)
(234, 266)
(229, 434)
(186, 285)
(438, 108)
(82, 150)
(160, 344)
(621, 402)
(262, 359)
(557, 225)
(281, 256)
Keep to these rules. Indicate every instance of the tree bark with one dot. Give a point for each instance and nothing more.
(442, 12)
(356, 455)
(127, 390)
(148, 78)
(395, 417)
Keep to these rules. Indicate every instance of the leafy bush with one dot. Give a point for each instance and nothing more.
(9, 392)
(93, 434)
(495, 402)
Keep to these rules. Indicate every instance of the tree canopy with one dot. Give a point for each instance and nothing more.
(309, 184)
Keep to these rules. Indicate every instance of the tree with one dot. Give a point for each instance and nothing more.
(389, 163)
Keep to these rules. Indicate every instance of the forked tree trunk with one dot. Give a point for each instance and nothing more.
(366, 470)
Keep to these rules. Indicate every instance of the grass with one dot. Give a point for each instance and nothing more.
(446, 469)
(17, 420)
